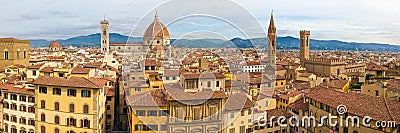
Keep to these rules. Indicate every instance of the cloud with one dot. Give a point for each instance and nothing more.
(61, 14)
(25, 17)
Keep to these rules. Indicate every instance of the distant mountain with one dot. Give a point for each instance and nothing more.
(282, 43)
(85, 41)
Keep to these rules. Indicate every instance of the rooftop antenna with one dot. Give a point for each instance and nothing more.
(104, 16)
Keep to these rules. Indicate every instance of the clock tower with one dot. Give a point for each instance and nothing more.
(104, 37)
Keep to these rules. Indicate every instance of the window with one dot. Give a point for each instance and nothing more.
(108, 107)
(376, 93)
(108, 116)
(152, 113)
(42, 104)
(22, 98)
(34, 72)
(31, 99)
(31, 109)
(232, 130)
(18, 54)
(71, 107)
(140, 113)
(22, 108)
(6, 54)
(57, 120)
(56, 130)
(137, 89)
(6, 117)
(56, 91)
(217, 84)
(31, 122)
(13, 97)
(85, 93)
(25, 54)
(43, 90)
(56, 106)
(208, 83)
(153, 127)
(86, 109)
(242, 129)
(22, 120)
(163, 113)
(5, 95)
(13, 106)
(72, 92)
(43, 117)
(85, 123)
(42, 129)
(71, 122)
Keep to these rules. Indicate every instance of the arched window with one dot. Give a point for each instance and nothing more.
(22, 130)
(6, 127)
(56, 106)
(18, 54)
(85, 123)
(71, 107)
(6, 54)
(42, 129)
(56, 130)
(25, 56)
(86, 109)
(42, 104)
(71, 122)
(43, 117)
(57, 120)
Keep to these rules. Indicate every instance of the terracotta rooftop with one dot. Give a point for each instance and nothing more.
(298, 105)
(202, 76)
(238, 101)
(47, 69)
(151, 98)
(375, 67)
(78, 70)
(79, 82)
(37, 66)
(17, 89)
(175, 92)
(357, 103)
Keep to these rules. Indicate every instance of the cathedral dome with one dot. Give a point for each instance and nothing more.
(155, 29)
(54, 44)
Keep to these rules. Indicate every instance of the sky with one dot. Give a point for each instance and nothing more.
(352, 21)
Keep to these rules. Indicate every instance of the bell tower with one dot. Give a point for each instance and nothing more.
(271, 41)
(104, 31)
(304, 46)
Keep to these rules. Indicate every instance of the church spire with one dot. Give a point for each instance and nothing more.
(271, 28)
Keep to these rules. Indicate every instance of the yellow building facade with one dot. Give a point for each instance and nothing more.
(70, 105)
(14, 51)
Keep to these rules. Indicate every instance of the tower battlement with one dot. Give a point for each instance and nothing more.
(304, 32)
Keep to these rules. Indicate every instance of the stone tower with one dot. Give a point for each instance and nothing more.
(271, 41)
(304, 46)
(105, 37)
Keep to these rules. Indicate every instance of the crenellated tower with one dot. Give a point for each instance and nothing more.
(304, 46)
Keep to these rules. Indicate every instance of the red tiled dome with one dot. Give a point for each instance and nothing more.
(155, 29)
(54, 44)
